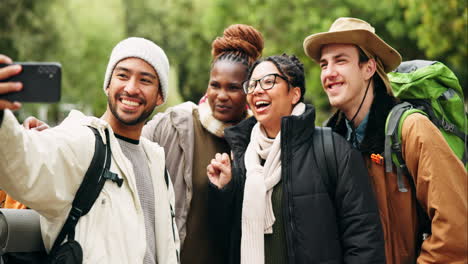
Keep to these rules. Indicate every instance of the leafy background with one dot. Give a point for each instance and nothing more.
(81, 33)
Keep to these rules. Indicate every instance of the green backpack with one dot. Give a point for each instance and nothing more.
(430, 88)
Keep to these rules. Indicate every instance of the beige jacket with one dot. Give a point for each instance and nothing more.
(173, 130)
(44, 169)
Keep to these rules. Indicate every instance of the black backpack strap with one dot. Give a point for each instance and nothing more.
(93, 182)
(166, 179)
(324, 150)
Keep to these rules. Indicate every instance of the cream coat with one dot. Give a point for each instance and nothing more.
(44, 170)
(173, 130)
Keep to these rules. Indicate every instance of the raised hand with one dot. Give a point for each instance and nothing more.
(7, 87)
(219, 170)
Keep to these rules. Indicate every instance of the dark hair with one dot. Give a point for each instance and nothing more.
(239, 43)
(289, 66)
(379, 85)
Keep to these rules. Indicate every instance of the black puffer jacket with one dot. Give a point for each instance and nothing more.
(319, 229)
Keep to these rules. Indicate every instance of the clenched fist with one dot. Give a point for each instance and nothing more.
(219, 170)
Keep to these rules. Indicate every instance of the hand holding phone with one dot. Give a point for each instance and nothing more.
(8, 87)
(40, 80)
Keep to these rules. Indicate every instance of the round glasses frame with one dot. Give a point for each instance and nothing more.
(250, 85)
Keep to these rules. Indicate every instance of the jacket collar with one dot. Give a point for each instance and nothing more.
(374, 137)
(296, 128)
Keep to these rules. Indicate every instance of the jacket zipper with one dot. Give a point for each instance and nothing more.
(288, 210)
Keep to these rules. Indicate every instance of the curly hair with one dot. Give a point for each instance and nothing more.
(289, 66)
(239, 43)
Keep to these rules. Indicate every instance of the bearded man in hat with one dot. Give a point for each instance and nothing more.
(354, 62)
(131, 220)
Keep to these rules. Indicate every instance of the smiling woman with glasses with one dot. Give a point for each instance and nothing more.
(266, 82)
(192, 134)
(274, 200)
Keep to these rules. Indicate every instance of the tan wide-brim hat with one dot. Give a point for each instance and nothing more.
(348, 30)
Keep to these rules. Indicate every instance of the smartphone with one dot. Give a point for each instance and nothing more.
(41, 82)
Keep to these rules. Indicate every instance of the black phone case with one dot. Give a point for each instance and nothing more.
(41, 82)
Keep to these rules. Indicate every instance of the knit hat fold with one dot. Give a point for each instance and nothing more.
(143, 49)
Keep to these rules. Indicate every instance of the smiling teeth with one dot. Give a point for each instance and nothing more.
(130, 103)
(261, 103)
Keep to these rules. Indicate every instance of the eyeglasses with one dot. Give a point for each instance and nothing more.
(266, 82)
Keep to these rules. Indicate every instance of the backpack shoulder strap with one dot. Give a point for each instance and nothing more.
(393, 149)
(174, 227)
(324, 150)
(166, 177)
(393, 155)
(93, 182)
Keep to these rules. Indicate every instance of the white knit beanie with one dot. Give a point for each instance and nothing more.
(145, 50)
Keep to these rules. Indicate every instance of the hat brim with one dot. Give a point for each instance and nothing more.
(362, 38)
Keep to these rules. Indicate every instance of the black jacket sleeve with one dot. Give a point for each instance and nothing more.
(225, 207)
(358, 216)
(220, 204)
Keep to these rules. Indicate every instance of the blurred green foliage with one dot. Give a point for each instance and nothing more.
(80, 35)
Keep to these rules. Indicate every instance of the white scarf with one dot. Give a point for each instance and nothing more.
(210, 123)
(257, 210)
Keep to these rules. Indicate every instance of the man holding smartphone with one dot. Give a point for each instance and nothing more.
(130, 222)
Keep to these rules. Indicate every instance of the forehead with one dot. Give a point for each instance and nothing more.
(228, 69)
(136, 65)
(332, 50)
(264, 68)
